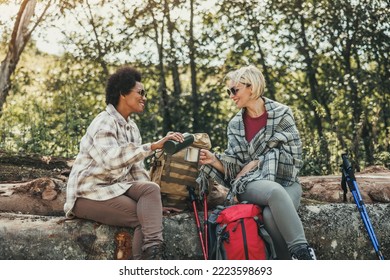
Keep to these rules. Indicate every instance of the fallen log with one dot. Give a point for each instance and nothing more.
(373, 187)
(334, 230)
(43, 196)
(46, 196)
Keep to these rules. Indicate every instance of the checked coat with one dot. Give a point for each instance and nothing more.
(277, 146)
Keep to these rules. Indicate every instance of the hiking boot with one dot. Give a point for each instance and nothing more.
(304, 253)
(152, 253)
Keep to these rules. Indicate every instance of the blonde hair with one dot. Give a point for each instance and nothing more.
(249, 76)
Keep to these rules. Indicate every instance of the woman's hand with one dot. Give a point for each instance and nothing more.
(206, 157)
(176, 136)
(250, 166)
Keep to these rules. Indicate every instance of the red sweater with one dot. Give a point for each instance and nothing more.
(254, 125)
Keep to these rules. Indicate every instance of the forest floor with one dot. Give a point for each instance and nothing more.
(21, 168)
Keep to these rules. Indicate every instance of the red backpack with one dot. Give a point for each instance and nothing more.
(237, 233)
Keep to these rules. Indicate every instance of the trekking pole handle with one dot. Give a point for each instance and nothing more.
(191, 193)
(347, 166)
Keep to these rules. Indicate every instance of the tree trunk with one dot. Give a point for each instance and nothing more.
(99, 45)
(195, 100)
(43, 196)
(266, 70)
(174, 65)
(174, 69)
(313, 83)
(19, 39)
(164, 101)
(354, 94)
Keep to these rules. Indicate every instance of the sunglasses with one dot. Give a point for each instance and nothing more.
(142, 92)
(234, 90)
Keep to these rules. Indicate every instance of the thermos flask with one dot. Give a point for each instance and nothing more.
(171, 147)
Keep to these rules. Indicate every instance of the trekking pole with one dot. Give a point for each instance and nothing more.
(193, 201)
(348, 178)
(205, 223)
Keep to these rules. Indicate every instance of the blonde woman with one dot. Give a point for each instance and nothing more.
(262, 161)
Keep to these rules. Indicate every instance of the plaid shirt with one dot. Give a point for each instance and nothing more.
(111, 157)
(277, 147)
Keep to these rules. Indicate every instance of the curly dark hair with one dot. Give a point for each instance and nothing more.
(120, 83)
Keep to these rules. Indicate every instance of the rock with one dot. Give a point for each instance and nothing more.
(31, 237)
(337, 231)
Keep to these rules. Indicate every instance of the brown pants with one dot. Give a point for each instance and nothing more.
(139, 207)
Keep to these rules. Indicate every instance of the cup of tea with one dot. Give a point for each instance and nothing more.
(192, 154)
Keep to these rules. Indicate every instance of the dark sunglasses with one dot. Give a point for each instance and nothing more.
(142, 92)
(234, 90)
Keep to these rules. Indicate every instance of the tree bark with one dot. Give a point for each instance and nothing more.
(164, 101)
(19, 39)
(313, 84)
(43, 196)
(195, 100)
(271, 92)
(46, 196)
(99, 45)
(174, 65)
(354, 94)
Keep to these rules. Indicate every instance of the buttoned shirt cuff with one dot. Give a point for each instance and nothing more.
(147, 147)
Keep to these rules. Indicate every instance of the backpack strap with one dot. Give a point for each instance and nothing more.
(168, 165)
(267, 238)
(220, 253)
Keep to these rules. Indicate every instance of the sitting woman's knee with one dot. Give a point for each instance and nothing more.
(267, 214)
(152, 187)
(278, 192)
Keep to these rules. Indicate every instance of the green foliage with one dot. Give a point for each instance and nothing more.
(328, 60)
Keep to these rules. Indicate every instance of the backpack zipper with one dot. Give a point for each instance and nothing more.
(244, 239)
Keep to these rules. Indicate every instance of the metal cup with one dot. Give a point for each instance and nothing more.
(192, 154)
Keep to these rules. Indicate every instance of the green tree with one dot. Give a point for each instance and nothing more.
(21, 34)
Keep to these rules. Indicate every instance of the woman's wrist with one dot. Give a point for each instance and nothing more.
(214, 159)
(154, 146)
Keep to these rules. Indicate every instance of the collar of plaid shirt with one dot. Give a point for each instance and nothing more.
(116, 115)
